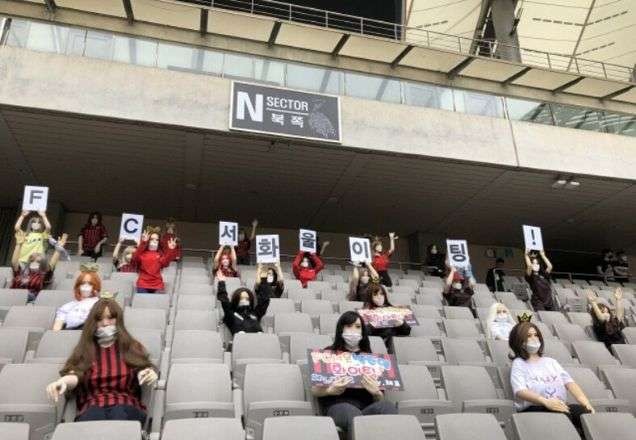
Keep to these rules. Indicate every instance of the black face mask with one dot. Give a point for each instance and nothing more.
(243, 310)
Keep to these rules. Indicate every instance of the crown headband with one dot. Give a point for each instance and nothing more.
(108, 295)
(89, 267)
(524, 317)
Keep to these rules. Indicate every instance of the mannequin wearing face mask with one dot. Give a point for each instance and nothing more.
(107, 369)
(608, 320)
(242, 249)
(539, 383)
(92, 237)
(499, 322)
(621, 268)
(36, 235)
(224, 263)
(124, 262)
(434, 261)
(377, 298)
(243, 312)
(170, 233)
(361, 278)
(538, 269)
(458, 290)
(72, 315)
(306, 267)
(269, 281)
(36, 273)
(338, 401)
(382, 259)
(150, 259)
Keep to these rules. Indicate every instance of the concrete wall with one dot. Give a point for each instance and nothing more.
(121, 91)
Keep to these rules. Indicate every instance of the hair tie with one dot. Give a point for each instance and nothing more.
(108, 295)
(525, 317)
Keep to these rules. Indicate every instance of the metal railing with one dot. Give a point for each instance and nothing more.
(415, 36)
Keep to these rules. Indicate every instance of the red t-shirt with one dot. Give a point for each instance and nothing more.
(306, 274)
(243, 248)
(149, 264)
(91, 235)
(381, 262)
(109, 381)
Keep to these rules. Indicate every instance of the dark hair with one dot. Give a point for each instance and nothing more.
(134, 353)
(372, 290)
(236, 297)
(94, 214)
(346, 319)
(500, 260)
(517, 340)
(430, 246)
(307, 255)
(274, 273)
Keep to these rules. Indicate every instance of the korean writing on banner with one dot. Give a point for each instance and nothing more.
(307, 240)
(387, 317)
(267, 248)
(228, 233)
(360, 250)
(458, 253)
(326, 366)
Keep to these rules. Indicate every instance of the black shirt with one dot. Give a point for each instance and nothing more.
(494, 280)
(243, 319)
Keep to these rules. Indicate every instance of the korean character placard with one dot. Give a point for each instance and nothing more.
(360, 250)
(307, 240)
(267, 248)
(458, 253)
(228, 233)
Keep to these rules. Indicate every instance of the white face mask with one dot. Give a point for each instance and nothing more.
(36, 226)
(378, 248)
(501, 317)
(270, 278)
(86, 290)
(128, 257)
(533, 346)
(153, 245)
(225, 262)
(457, 286)
(105, 334)
(536, 267)
(433, 251)
(378, 300)
(94, 221)
(364, 279)
(241, 237)
(305, 263)
(34, 266)
(352, 340)
(244, 303)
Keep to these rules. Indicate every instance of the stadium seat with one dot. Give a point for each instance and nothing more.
(35, 318)
(625, 353)
(426, 311)
(483, 300)
(468, 427)
(601, 398)
(13, 345)
(254, 348)
(582, 319)
(462, 328)
(593, 354)
(216, 428)
(463, 352)
(272, 390)
(286, 323)
(196, 302)
(316, 307)
(152, 340)
(198, 391)
(453, 312)
(145, 318)
(410, 290)
(550, 317)
(151, 301)
(14, 431)
(630, 335)
(621, 381)
(557, 350)
(277, 305)
(56, 347)
(401, 299)
(320, 286)
(381, 427)
(53, 298)
(602, 426)
(430, 298)
(473, 390)
(328, 323)
(544, 426)
(377, 345)
(196, 347)
(189, 288)
(298, 427)
(346, 306)
(499, 352)
(23, 397)
(416, 351)
(196, 320)
(428, 328)
(414, 283)
(12, 297)
(299, 343)
(116, 429)
(568, 333)
(335, 296)
(546, 331)
(419, 396)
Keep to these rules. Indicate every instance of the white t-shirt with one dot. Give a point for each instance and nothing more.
(500, 330)
(545, 377)
(74, 313)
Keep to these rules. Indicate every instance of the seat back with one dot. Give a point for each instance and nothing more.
(299, 343)
(216, 428)
(468, 427)
(196, 346)
(145, 318)
(116, 429)
(462, 351)
(13, 345)
(615, 426)
(56, 346)
(299, 427)
(381, 427)
(196, 320)
(411, 349)
(545, 426)
(461, 328)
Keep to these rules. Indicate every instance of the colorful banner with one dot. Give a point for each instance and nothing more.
(326, 366)
(387, 317)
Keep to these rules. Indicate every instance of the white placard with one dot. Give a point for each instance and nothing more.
(360, 250)
(457, 253)
(267, 248)
(307, 240)
(35, 198)
(228, 233)
(131, 226)
(533, 238)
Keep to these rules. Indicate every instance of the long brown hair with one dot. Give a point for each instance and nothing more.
(134, 353)
(518, 337)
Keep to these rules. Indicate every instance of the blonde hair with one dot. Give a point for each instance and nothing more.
(492, 314)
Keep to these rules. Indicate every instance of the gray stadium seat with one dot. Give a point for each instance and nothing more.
(415, 283)
(198, 391)
(544, 426)
(319, 286)
(54, 298)
(254, 348)
(13, 345)
(593, 354)
(557, 350)
(499, 351)
(419, 396)
(581, 318)
(428, 328)
(116, 429)
(12, 297)
(602, 426)
(14, 431)
(601, 398)
(462, 328)
(473, 389)
(188, 288)
(298, 427)
(630, 335)
(381, 427)
(621, 381)
(36, 318)
(286, 323)
(550, 318)
(217, 428)
(410, 290)
(196, 302)
(316, 307)
(328, 323)
(463, 352)
(401, 299)
(145, 318)
(430, 298)
(468, 427)
(299, 295)
(272, 390)
(545, 330)
(56, 347)
(334, 296)
(426, 311)
(377, 345)
(453, 312)
(483, 300)
(23, 397)
(196, 346)
(152, 340)
(277, 305)
(416, 351)
(159, 301)
(346, 306)
(299, 343)
(569, 333)
(625, 353)
(196, 320)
